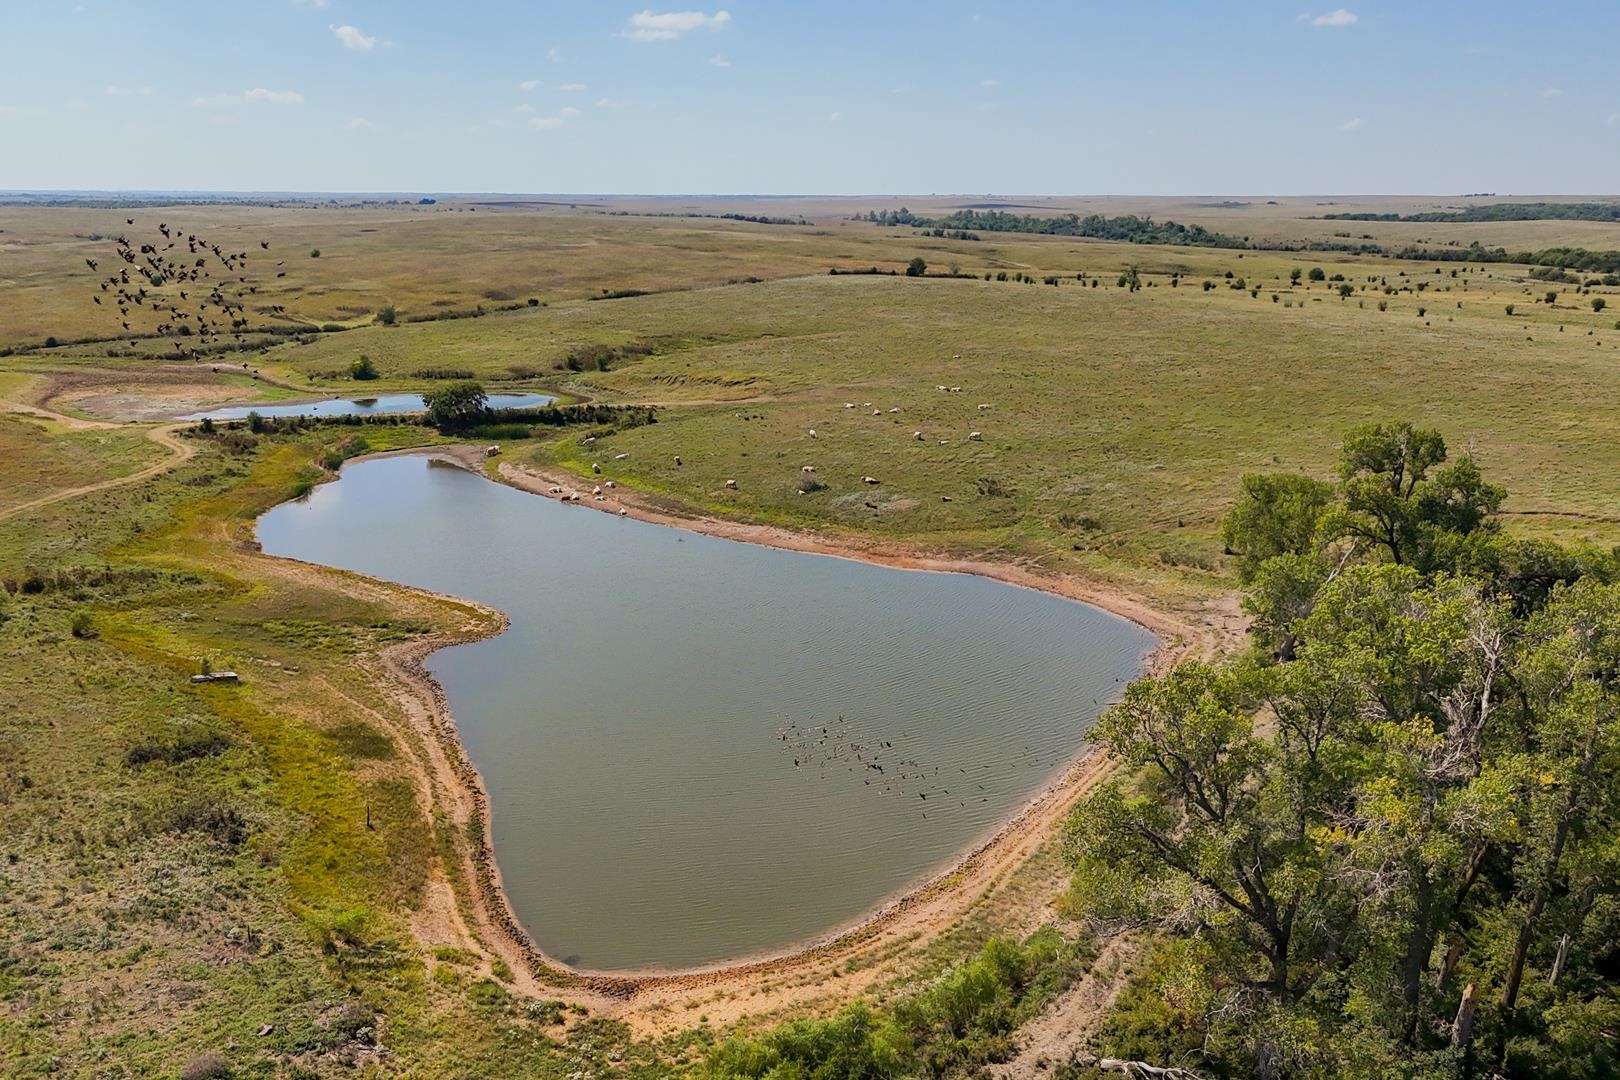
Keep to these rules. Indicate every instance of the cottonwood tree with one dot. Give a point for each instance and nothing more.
(1383, 831)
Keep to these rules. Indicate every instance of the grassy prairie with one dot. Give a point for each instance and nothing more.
(1118, 423)
(181, 866)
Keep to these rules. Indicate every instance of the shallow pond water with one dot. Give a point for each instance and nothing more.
(365, 406)
(698, 749)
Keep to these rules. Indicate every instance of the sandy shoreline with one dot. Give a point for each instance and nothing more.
(921, 911)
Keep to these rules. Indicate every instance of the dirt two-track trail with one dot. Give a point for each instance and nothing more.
(180, 451)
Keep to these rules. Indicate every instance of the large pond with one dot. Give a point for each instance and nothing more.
(698, 749)
(383, 403)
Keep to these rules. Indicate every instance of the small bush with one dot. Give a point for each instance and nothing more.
(992, 488)
(387, 316)
(808, 483)
(1598, 303)
(188, 747)
(546, 1012)
(225, 824)
(83, 626)
(363, 369)
(206, 1066)
(314, 253)
(486, 993)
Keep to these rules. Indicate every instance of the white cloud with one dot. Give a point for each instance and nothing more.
(1353, 125)
(1614, 119)
(1552, 92)
(834, 117)
(352, 38)
(360, 123)
(275, 97)
(128, 91)
(545, 123)
(719, 61)
(554, 54)
(567, 112)
(572, 87)
(10, 110)
(311, 3)
(528, 84)
(613, 103)
(223, 121)
(524, 108)
(665, 26)
(257, 96)
(1338, 18)
(989, 84)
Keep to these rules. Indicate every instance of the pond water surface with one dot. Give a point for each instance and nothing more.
(698, 749)
(383, 403)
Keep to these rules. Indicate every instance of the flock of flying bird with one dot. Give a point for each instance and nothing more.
(174, 278)
(829, 747)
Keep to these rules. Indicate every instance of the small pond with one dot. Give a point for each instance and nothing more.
(698, 749)
(384, 403)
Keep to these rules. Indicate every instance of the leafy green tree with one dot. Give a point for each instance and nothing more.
(1275, 514)
(1598, 303)
(363, 369)
(1390, 501)
(917, 267)
(455, 404)
(1294, 276)
(1318, 274)
(1397, 823)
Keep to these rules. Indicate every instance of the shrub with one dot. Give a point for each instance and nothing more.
(314, 253)
(1383, 305)
(990, 487)
(1208, 285)
(206, 1066)
(534, 302)
(808, 483)
(1552, 296)
(1509, 309)
(1422, 311)
(1598, 303)
(188, 747)
(497, 432)
(916, 267)
(487, 994)
(82, 625)
(362, 368)
(1318, 274)
(225, 824)
(387, 315)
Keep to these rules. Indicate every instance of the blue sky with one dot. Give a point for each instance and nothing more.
(828, 97)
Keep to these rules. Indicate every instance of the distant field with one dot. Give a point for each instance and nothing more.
(458, 255)
(1118, 424)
